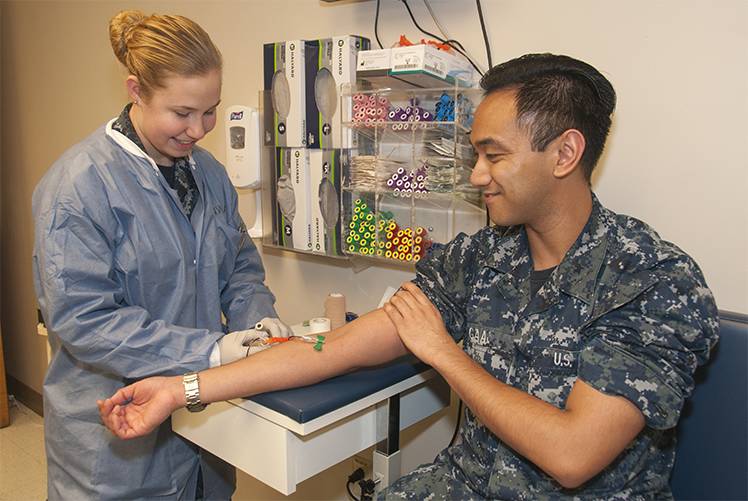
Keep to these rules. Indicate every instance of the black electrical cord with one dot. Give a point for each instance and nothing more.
(352, 479)
(350, 494)
(485, 35)
(457, 427)
(417, 25)
(452, 43)
(367, 486)
(376, 25)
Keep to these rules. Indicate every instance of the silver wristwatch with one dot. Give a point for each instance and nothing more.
(191, 384)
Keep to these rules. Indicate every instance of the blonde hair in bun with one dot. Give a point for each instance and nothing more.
(153, 47)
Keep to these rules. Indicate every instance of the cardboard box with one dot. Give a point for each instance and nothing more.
(326, 185)
(330, 63)
(292, 200)
(284, 68)
(376, 59)
(421, 66)
(424, 66)
(374, 67)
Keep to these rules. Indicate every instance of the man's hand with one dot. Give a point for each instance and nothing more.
(571, 445)
(418, 322)
(139, 408)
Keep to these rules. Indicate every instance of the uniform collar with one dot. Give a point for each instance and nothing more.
(576, 275)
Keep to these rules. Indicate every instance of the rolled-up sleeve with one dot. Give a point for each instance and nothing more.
(648, 349)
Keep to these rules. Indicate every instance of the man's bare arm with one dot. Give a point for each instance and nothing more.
(368, 341)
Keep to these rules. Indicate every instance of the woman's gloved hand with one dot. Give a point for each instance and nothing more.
(274, 327)
(236, 345)
(269, 327)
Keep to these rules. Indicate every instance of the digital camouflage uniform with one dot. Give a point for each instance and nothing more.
(626, 312)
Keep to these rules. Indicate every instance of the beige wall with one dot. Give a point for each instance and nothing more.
(677, 155)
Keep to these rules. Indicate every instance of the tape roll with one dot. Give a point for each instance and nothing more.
(319, 325)
(335, 310)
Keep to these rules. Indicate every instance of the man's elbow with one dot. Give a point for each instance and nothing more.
(573, 473)
(572, 480)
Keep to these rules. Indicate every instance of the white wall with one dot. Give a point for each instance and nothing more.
(677, 155)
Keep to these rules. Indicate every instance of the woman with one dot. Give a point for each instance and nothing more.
(139, 250)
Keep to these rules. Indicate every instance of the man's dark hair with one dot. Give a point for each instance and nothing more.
(554, 94)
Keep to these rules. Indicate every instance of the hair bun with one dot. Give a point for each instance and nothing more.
(121, 28)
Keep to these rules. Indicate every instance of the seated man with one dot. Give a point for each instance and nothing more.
(581, 329)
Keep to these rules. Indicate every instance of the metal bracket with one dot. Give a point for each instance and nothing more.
(386, 461)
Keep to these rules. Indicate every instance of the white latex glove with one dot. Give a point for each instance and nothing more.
(235, 345)
(273, 327)
(269, 327)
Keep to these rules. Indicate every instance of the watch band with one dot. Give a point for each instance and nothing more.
(191, 384)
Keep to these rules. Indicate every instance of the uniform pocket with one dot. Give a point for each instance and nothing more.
(492, 348)
(549, 373)
(554, 360)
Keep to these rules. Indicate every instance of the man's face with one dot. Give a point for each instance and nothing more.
(173, 118)
(516, 181)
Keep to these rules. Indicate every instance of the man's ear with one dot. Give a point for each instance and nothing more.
(570, 146)
(133, 88)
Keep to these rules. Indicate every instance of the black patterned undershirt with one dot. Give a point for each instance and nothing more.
(177, 175)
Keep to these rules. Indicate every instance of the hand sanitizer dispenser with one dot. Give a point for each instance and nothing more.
(243, 146)
(243, 155)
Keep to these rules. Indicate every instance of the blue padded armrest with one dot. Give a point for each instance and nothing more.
(711, 460)
(310, 402)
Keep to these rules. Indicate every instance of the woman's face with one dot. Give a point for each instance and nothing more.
(175, 117)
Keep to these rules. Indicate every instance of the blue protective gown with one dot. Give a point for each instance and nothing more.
(130, 288)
